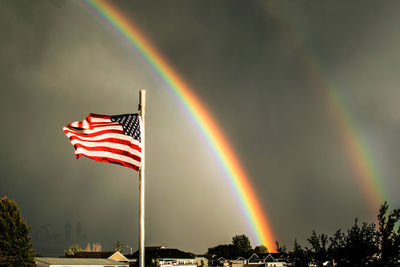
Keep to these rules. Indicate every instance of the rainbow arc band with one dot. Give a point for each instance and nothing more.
(114, 18)
(355, 147)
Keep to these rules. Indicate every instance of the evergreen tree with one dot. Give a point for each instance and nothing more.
(388, 237)
(284, 255)
(15, 241)
(319, 250)
(337, 249)
(356, 248)
(361, 244)
(72, 250)
(299, 256)
(119, 247)
(281, 249)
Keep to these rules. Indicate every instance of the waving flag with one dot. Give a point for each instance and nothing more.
(108, 138)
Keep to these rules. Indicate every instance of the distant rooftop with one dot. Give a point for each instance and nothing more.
(76, 261)
(92, 254)
(163, 253)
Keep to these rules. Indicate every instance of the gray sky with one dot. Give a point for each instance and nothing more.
(249, 62)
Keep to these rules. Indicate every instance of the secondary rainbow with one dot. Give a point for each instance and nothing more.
(358, 154)
(125, 28)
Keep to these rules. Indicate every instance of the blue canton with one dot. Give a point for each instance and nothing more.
(130, 124)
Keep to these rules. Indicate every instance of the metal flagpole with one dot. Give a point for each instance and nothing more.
(142, 105)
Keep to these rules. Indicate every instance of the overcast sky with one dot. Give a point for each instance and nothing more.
(249, 62)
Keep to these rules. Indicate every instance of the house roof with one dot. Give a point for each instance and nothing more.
(273, 256)
(253, 256)
(163, 253)
(90, 254)
(155, 248)
(99, 255)
(78, 261)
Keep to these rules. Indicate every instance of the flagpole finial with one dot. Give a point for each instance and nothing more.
(142, 102)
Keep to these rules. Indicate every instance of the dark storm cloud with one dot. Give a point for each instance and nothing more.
(254, 69)
(246, 61)
(43, 88)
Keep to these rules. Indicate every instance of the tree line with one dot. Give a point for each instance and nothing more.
(363, 244)
(240, 247)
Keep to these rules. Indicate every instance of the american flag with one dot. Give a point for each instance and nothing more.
(108, 138)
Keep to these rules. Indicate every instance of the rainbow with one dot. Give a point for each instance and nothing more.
(359, 157)
(126, 29)
(358, 154)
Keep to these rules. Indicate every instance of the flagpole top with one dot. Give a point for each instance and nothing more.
(142, 94)
(142, 102)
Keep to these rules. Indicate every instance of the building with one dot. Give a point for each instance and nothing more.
(111, 255)
(252, 260)
(201, 261)
(77, 262)
(167, 257)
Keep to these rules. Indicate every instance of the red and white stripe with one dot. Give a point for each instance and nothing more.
(100, 139)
